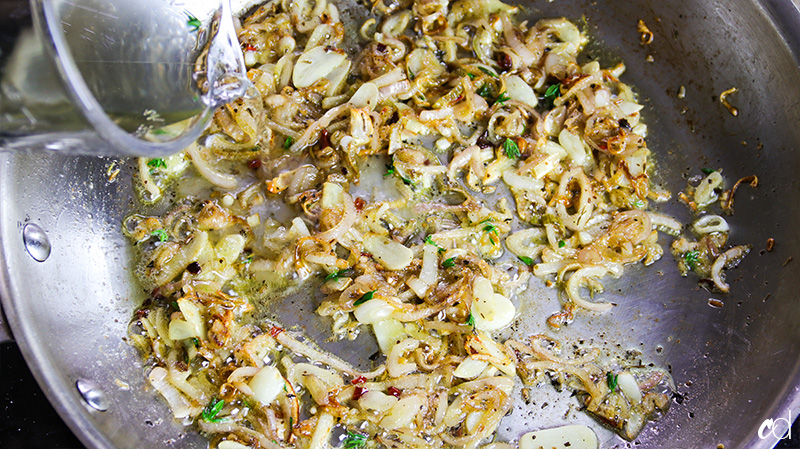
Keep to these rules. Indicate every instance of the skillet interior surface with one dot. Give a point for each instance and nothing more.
(735, 366)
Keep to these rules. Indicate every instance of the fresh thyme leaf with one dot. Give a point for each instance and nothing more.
(552, 92)
(691, 259)
(389, 170)
(489, 227)
(511, 149)
(448, 263)
(707, 170)
(354, 440)
(287, 143)
(212, 410)
(526, 260)
(611, 380)
(193, 22)
(488, 71)
(196, 342)
(161, 234)
(338, 273)
(367, 296)
(484, 91)
(430, 241)
(157, 163)
(562, 243)
(502, 98)
(471, 320)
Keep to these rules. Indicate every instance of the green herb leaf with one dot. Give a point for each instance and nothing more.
(161, 234)
(691, 258)
(707, 170)
(430, 241)
(174, 305)
(471, 75)
(196, 342)
(354, 440)
(212, 410)
(552, 92)
(338, 273)
(287, 143)
(484, 91)
(193, 22)
(611, 380)
(490, 227)
(448, 263)
(389, 170)
(471, 320)
(562, 243)
(502, 98)
(639, 204)
(526, 260)
(367, 296)
(406, 181)
(511, 149)
(488, 71)
(159, 132)
(157, 163)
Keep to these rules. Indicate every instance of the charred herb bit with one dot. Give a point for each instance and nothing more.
(193, 22)
(449, 263)
(502, 98)
(691, 258)
(287, 143)
(526, 260)
(354, 440)
(707, 170)
(366, 297)
(194, 268)
(212, 410)
(511, 149)
(337, 274)
(430, 241)
(611, 380)
(161, 235)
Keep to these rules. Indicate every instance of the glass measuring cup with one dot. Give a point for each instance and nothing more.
(107, 77)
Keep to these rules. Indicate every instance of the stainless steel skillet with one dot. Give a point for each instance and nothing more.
(736, 366)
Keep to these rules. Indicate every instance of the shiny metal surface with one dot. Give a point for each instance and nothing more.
(735, 366)
(93, 76)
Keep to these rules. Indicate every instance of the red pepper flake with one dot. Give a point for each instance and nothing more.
(274, 331)
(359, 203)
(255, 164)
(251, 48)
(358, 380)
(504, 61)
(358, 392)
(324, 138)
(396, 392)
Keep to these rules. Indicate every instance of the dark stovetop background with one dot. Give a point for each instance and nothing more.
(27, 421)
